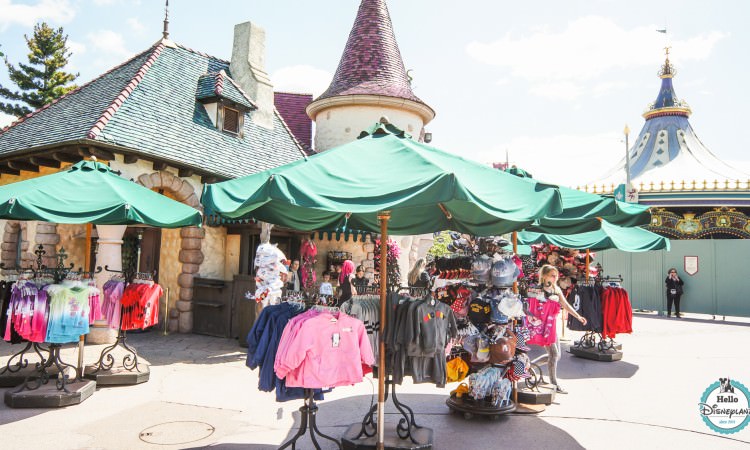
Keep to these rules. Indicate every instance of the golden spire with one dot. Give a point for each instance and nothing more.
(667, 70)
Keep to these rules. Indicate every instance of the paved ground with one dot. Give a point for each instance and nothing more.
(201, 395)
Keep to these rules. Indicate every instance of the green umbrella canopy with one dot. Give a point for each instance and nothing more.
(629, 239)
(581, 210)
(425, 189)
(90, 192)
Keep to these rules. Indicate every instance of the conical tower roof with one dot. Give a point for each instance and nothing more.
(371, 63)
(667, 150)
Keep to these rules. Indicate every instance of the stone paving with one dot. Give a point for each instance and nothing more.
(201, 395)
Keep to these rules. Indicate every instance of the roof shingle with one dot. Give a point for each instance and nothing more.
(371, 63)
(159, 117)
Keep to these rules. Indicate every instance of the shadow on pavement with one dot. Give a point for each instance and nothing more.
(160, 350)
(731, 321)
(450, 431)
(10, 415)
(571, 367)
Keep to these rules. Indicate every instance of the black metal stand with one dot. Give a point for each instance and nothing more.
(594, 346)
(410, 435)
(67, 391)
(129, 373)
(43, 375)
(405, 423)
(307, 422)
(14, 373)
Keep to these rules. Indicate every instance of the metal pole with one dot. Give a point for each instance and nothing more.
(86, 267)
(627, 161)
(515, 252)
(383, 216)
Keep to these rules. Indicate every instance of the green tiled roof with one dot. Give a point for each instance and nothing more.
(218, 84)
(72, 116)
(149, 106)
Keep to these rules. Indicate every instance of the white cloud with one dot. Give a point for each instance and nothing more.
(563, 90)
(502, 81)
(58, 11)
(77, 49)
(109, 47)
(606, 87)
(584, 50)
(562, 159)
(6, 119)
(136, 25)
(114, 2)
(302, 79)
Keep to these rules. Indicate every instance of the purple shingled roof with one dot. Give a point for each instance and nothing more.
(292, 108)
(371, 63)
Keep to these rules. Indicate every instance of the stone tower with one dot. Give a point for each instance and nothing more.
(370, 82)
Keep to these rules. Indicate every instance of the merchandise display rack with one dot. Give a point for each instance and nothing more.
(104, 371)
(36, 391)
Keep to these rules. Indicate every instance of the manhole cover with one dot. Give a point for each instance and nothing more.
(172, 433)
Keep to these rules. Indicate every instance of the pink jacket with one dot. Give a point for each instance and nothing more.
(323, 351)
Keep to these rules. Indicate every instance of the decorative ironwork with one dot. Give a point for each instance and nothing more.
(594, 340)
(405, 424)
(723, 221)
(41, 375)
(107, 360)
(308, 411)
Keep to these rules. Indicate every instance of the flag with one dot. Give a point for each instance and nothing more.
(664, 31)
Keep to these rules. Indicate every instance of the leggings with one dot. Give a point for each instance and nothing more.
(670, 299)
(553, 356)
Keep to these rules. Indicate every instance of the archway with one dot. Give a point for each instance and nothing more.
(191, 239)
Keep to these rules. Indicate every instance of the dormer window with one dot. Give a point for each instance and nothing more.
(232, 120)
(225, 103)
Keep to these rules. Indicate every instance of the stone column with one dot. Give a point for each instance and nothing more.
(109, 254)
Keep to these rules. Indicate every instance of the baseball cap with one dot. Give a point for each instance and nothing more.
(479, 311)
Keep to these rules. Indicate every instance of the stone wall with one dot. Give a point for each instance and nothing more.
(170, 268)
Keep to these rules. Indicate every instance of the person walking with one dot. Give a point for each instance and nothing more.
(674, 292)
(418, 276)
(346, 281)
(548, 276)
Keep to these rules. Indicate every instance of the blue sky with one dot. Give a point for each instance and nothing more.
(551, 82)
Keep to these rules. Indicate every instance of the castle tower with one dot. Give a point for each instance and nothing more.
(370, 82)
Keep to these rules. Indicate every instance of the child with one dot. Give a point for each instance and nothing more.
(325, 287)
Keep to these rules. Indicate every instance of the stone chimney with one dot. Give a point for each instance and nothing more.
(248, 70)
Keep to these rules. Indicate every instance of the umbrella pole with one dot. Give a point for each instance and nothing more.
(588, 263)
(87, 266)
(383, 216)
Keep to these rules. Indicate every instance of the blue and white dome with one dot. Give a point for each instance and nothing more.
(667, 149)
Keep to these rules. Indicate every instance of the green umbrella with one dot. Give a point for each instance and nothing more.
(629, 239)
(90, 192)
(426, 189)
(384, 182)
(582, 209)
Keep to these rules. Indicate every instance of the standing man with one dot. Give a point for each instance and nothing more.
(293, 279)
(674, 292)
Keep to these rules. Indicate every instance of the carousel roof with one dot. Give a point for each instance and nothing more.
(667, 154)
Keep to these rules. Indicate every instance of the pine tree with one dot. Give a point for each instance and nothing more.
(42, 80)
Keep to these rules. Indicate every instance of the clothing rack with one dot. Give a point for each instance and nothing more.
(41, 374)
(370, 289)
(106, 361)
(308, 412)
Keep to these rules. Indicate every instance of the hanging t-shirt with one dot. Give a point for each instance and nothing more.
(541, 321)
